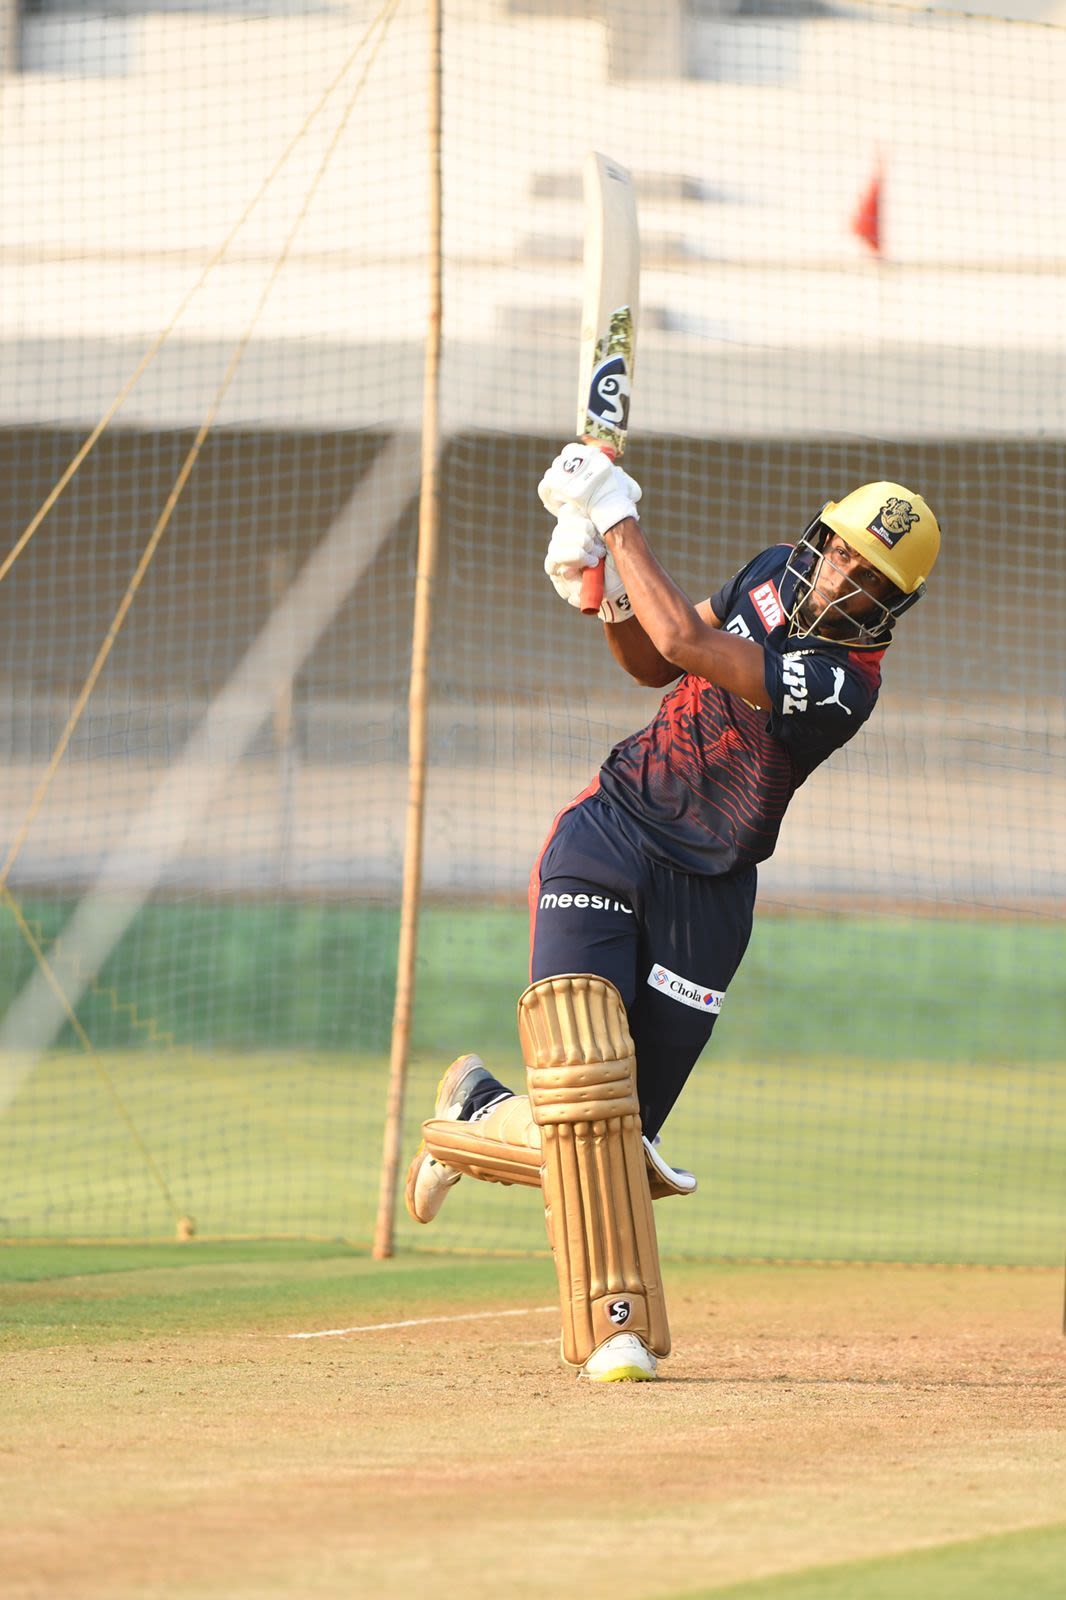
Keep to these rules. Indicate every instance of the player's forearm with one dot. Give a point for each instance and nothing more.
(667, 616)
(634, 651)
(674, 626)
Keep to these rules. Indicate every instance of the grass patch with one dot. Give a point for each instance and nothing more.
(917, 1115)
(1028, 1563)
(38, 1263)
(829, 1159)
(118, 1293)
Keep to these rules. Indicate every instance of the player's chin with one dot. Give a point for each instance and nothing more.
(828, 621)
(816, 614)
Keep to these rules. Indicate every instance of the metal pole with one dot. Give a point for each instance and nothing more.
(418, 696)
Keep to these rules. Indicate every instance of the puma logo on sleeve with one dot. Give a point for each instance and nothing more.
(834, 698)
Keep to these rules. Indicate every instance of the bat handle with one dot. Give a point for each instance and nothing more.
(592, 577)
(592, 589)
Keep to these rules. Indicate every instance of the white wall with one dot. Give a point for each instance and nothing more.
(763, 312)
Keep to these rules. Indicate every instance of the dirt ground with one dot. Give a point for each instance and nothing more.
(808, 1416)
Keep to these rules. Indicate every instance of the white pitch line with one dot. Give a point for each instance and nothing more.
(420, 1322)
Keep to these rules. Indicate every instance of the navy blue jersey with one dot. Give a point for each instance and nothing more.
(704, 786)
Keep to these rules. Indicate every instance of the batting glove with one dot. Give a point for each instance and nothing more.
(585, 477)
(575, 545)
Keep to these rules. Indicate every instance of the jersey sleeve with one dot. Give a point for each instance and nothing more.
(817, 700)
(724, 600)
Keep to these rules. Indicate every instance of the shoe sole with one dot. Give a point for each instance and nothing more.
(409, 1185)
(621, 1375)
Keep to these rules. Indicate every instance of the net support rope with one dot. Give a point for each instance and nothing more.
(50, 999)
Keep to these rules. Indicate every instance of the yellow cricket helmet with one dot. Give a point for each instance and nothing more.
(890, 527)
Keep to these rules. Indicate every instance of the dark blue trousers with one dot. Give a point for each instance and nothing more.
(670, 942)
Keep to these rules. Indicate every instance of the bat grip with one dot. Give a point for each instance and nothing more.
(592, 577)
(592, 589)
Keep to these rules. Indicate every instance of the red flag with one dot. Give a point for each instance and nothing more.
(866, 220)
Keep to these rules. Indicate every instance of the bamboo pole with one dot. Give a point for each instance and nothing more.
(418, 695)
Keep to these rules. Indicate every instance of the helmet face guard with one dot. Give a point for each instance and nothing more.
(889, 528)
(871, 629)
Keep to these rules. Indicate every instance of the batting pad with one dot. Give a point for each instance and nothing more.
(501, 1147)
(582, 1075)
(504, 1147)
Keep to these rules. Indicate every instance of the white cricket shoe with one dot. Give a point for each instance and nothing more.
(428, 1180)
(621, 1358)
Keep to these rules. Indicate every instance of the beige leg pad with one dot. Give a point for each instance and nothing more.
(582, 1075)
(501, 1147)
(504, 1147)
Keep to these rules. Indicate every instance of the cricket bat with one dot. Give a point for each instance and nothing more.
(608, 321)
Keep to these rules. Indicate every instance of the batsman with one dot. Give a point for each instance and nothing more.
(641, 900)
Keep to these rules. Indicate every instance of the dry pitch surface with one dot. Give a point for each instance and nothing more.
(809, 1416)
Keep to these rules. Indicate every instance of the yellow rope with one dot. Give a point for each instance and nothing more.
(86, 1044)
(382, 21)
(149, 1028)
(154, 348)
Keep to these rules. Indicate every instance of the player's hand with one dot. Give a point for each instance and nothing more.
(575, 545)
(586, 477)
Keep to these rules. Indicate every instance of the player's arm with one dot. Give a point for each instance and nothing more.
(633, 650)
(575, 543)
(682, 635)
(582, 484)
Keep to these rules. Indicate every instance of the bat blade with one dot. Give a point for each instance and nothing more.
(608, 320)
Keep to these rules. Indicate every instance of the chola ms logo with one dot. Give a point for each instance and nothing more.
(893, 520)
(619, 1311)
(696, 995)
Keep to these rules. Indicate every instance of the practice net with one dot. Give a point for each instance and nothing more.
(852, 269)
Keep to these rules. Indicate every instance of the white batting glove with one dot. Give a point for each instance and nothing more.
(585, 477)
(575, 545)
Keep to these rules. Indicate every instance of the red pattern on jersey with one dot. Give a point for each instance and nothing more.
(868, 662)
(710, 772)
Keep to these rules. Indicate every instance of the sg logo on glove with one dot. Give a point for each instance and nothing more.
(586, 478)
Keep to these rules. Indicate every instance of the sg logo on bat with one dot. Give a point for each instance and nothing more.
(609, 393)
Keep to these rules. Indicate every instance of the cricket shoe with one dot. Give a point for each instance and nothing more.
(623, 1358)
(428, 1180)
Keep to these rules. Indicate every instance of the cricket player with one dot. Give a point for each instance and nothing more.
(642, 897)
